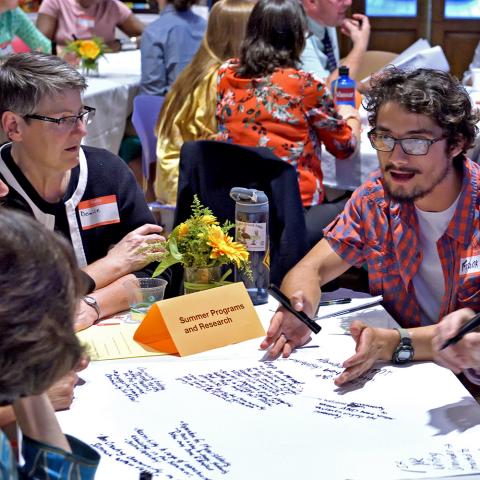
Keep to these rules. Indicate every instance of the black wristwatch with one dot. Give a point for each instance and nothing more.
(91, 302)
(404, 351)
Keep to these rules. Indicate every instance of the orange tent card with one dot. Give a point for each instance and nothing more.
(201, 321)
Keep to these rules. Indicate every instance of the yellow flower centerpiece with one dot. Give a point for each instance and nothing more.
(88, 52)
(202, 246)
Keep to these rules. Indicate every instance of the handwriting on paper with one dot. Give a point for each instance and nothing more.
(339, 409)
(256, 387)
(183, 454)
(329, 370)
(135, 382)
(447, 457)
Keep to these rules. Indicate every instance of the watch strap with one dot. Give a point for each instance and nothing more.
(92, 302)
(404, 351)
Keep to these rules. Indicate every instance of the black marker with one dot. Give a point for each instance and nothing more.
(275, 292)
(145, 476)
(468, 327)
(336, 301)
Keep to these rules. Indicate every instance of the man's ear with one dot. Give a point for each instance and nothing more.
(458, 147)
(11, 125)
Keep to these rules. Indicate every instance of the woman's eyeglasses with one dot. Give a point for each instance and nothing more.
(67, 123)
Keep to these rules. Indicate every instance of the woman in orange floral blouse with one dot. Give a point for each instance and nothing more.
(264, 100)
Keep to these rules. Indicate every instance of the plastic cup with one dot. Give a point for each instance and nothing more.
(142, 293)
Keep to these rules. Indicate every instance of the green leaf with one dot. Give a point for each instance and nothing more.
(173, 247)
(163, 265)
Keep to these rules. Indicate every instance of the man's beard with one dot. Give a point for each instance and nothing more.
(418, 192)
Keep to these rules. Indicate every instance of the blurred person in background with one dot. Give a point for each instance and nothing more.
(265, 100)
(189, 109)
(168, 45)
(321, 54)
(15, 23)
(63, 21)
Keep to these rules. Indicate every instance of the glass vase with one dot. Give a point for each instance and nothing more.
(197, 279)
(90, 70)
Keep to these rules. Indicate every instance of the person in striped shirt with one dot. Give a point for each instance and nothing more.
(414, 223)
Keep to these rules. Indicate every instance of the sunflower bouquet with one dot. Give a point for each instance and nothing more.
(200, 243)
(88, 51)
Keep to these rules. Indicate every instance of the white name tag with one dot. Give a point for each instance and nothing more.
(470, 265)
(86, 22)
(98, 211)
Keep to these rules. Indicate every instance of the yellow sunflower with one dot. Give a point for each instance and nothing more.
(223, 245)
(209, 220)
(182, 230)
(89, 49)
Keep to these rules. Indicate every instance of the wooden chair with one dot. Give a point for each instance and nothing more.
(373, 61)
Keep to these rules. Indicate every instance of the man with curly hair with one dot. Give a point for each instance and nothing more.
(414, 223)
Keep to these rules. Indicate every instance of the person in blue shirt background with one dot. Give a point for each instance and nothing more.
(168, 45)
(321, 54)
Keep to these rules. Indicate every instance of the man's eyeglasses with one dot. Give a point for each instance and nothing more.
(67, 123)
(411, 146)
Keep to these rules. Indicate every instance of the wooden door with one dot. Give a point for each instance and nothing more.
(457, 37)
(393, 34)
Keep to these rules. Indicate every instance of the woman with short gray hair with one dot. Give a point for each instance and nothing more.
(87, 194)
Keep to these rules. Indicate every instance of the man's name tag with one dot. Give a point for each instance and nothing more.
(470, 265)
(98, 211)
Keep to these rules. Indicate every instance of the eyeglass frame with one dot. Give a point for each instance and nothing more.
(59, 121)
(427, 141)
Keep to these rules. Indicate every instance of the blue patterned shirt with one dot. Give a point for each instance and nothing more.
(43, 462)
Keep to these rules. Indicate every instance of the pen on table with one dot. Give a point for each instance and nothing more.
(336, 301)
(471, 325)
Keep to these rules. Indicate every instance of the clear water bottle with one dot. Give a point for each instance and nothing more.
(251, 229)
(343, 88)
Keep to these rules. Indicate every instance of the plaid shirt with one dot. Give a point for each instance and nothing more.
(383, 233)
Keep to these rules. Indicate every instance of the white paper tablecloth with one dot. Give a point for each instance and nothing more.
(112, 93)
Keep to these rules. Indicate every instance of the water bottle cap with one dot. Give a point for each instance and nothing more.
(248, 195)
(343, 70)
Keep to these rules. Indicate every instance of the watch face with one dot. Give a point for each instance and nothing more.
(404, 354)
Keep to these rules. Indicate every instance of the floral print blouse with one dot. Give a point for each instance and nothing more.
(291, 112)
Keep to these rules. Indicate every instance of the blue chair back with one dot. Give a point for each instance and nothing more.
(146, 109)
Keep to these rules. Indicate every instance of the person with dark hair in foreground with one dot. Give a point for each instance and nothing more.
(40, 287)
(265, 100)
(414, 223)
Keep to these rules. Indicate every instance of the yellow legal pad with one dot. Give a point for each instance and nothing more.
(109, 342)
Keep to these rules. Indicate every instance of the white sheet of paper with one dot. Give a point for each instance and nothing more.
(421, 55)
(246, 418)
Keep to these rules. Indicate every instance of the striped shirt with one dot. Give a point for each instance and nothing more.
(383, 233)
